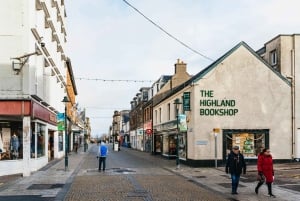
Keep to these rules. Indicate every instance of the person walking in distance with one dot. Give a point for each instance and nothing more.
(235, 165)
(265, 170)
(103, 150)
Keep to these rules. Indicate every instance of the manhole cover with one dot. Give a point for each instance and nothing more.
(44, 186)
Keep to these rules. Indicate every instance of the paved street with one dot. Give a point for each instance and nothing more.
(135, 175)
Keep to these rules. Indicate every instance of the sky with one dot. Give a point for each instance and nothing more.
(115, 51)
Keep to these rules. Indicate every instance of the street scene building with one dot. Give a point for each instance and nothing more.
(35, 76)
(245, 98)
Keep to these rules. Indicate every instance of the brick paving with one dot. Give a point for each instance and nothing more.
(133, 176)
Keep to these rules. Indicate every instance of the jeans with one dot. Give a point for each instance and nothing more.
(235, 178)
(102, 160)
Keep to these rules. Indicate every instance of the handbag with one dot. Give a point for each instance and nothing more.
(260, 178)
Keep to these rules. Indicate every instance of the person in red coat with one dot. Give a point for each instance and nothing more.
(265, 170)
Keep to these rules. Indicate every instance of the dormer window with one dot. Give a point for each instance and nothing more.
(273, 58)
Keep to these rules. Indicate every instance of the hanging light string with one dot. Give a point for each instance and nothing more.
(110, 80)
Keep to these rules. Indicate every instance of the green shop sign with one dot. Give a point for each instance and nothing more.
(216, 107)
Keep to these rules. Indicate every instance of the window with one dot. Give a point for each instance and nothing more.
(169, 112)
(38, 140)
(250, 142)
(273, 57)
(159, 115)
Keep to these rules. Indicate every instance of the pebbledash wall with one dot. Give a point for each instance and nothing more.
(240, 100)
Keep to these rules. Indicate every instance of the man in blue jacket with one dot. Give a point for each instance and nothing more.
(103, 150)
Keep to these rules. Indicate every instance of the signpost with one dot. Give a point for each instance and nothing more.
(216, 132)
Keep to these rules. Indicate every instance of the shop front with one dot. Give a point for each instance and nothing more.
(238, 101)
(148, 136)
(27, 136)
(165, 141)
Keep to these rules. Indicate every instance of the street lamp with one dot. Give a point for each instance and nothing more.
(65, 101)
(177, 103)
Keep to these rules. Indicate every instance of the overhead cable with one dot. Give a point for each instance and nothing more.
(170, 35)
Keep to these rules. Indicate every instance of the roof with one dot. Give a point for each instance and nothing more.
(202, 73)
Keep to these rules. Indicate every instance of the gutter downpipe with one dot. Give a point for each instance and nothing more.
(293, 100)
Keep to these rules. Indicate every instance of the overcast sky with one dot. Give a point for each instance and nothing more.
(109, 40)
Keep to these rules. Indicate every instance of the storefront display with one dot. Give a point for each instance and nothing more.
(182, 146)
(11, 141)
(250, 142)
(38, 140)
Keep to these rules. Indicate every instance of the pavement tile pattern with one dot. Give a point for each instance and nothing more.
(162, 181)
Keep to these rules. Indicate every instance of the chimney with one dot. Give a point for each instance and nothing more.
(180, 67)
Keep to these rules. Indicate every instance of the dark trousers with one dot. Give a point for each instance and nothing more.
(235, 178)
(102, 160)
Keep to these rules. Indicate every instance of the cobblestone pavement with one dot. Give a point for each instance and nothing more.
(134, 175)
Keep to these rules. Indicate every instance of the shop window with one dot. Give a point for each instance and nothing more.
(11, 141)
(157, 143)
(60, 141)
(38, 140)
(182, 152)
(249, 142)
(165, 145)
(11, 146)
(169, 145)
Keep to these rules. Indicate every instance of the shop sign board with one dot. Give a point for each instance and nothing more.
(216, 107)
(60, 121)
(201, 142)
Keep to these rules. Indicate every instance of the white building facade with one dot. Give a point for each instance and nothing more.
(32, 83)
(240, 99)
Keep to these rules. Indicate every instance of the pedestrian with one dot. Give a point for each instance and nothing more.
(103, 150)
(235, 165)
(265, 171)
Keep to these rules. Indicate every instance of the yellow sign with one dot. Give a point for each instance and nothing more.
(216, 130)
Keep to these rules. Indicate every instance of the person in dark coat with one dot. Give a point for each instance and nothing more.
(265, 170)
(235, 165)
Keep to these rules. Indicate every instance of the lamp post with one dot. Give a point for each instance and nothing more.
(177, 103)
(65, 101)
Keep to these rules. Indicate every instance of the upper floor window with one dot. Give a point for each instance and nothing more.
(273, 57)
(159, 115)
(169, 112)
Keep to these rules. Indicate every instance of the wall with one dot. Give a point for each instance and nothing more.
(262, 98)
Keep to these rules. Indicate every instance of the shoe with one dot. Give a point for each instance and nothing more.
(271, 195)
(234, 193)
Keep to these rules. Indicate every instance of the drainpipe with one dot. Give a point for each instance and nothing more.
(293, 100)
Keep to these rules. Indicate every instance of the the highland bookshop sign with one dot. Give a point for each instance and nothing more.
(216, 107)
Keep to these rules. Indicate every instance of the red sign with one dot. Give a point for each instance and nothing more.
(148, 131)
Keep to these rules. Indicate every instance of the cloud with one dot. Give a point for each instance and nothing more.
(109, 40)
